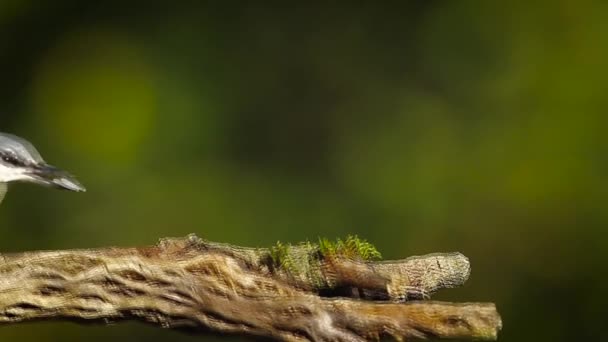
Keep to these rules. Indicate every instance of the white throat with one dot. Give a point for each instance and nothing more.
(11, 174)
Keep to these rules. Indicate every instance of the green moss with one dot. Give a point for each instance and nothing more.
(352, 247)
(290, 257)
(279, 254)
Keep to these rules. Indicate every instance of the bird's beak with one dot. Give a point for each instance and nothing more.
(50, 175)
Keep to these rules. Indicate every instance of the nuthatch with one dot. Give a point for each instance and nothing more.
(20, 161)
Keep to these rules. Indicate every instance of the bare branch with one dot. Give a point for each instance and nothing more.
(194, 283)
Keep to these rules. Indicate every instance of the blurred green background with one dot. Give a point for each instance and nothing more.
(425, 126)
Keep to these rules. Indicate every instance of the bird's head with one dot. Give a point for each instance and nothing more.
(20, 161)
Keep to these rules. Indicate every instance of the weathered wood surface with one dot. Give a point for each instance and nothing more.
(190, 282)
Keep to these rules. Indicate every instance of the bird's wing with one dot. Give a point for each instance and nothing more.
(2, 191)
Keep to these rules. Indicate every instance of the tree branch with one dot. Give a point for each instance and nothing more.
(215, 287)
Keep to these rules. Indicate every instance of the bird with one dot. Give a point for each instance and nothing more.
(21, 162)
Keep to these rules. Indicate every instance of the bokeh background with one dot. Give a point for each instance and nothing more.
(422, 126)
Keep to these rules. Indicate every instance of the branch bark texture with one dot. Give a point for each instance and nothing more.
(193, 283)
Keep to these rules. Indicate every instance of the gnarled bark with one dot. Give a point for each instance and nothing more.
(194, 283)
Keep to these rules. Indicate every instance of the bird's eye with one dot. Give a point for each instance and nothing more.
(10, 160)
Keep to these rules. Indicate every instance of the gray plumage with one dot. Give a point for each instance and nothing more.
(20, 147)
(21, 162)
